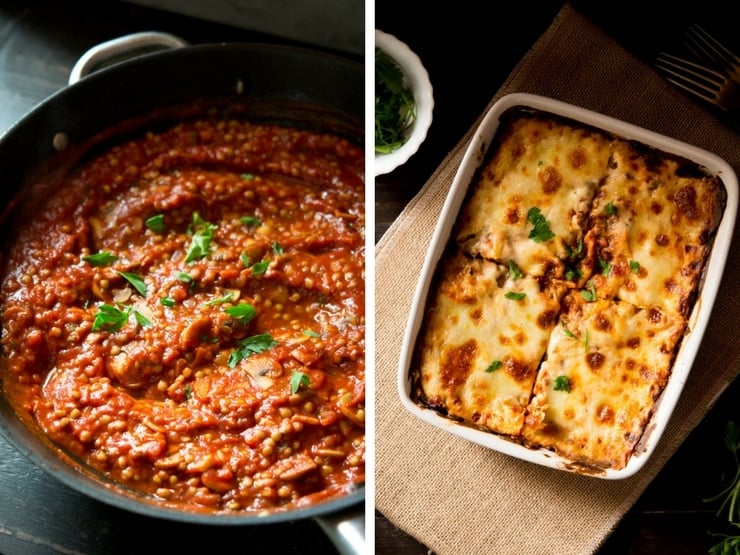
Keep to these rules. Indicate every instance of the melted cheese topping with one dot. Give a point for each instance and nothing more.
(610, 360)
(553, 168)
(604, 300)
(651, 231)
(485, 337)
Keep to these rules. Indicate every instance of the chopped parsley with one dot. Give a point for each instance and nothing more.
(101, 258)
(249, 346)
(167, 301)
(311, 333)
(561, 383)
(495, 365)
(299, 380)
(259, 268)
(142, 320)
(220, 300)
(572, 335)
(250, 220)
(589, 293)
(395, 108)
(136, 281)
(540, 231)
(247, 176)
(155, 223)
(109, 318)
(202, 236)
(277, 249)
(243, 313)
(514, 296)
(634, 266)
(606, 267)
(514, 270)
(610, 209)
(246, 261)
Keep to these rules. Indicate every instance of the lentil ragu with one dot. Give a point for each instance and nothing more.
(185, 313)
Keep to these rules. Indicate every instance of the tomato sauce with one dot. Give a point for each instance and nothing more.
(186, 314)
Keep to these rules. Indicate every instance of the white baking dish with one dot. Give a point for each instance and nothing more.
(709, 285)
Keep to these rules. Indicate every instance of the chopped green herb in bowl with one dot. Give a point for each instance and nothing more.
(403, 103)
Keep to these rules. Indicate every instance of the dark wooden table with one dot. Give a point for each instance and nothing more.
(671, 516)
(39, 42)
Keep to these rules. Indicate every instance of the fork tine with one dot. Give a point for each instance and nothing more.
(711, 46)
(693, 78)
(706, 47)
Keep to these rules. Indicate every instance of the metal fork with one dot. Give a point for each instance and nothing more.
(709, 49)
(702, 82)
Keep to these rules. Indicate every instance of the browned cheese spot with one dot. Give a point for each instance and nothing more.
(476, 314)
(656, 208)
(662, 240)
(578, 158)
(655, 316)
(605, 414)
(517, 369)
(550, 179)
(456, 364)
(513, 215)
(546, 318)
(603, 323)
(633, 342)
(595, 360)
(686, 203)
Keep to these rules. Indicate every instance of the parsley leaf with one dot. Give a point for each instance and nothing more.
(101, 258)
(298, 380)
(109, 318)
(514, 296)
(155, 223)
(634, 266)
(249, 346)
(561, 383)
(514, 270)
(395, 108)
(202, 236)
(610, 209)
(242, 313)
(589, 294)
(250, 220)
(136, 281)
(495, 365)
(541, 231)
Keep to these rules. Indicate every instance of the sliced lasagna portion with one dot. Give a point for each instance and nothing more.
(485, 334)
(532, 198)
(651, 227)
(606, 364)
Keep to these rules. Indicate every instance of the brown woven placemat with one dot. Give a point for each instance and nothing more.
(457, 497)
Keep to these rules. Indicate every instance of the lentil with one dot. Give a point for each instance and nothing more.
(179, 399)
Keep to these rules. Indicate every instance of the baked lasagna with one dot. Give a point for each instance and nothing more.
(560, 302)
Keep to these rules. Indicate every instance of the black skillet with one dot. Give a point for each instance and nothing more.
(273, 82)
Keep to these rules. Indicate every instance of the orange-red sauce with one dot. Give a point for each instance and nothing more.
(229, 373)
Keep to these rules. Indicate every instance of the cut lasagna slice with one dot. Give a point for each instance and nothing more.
(606, 364)
(484, 335)
(652, 223)
(530, 201)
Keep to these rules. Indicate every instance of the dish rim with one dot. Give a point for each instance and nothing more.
(698, 319)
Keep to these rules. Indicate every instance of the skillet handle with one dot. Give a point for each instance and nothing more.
(346, 530)
(122, 48)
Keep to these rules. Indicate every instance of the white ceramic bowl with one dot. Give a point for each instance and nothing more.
(418, 81)
(698, 319)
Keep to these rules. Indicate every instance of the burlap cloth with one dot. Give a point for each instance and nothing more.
(457, 497)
